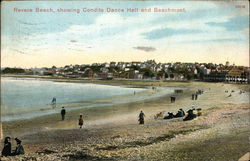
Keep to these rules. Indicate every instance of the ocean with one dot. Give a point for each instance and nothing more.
(25, 97)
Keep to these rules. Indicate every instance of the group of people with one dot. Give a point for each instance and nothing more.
(7, 147)
(190, 114)
(232, 91)
(195, 95)
(170, 115)
(80, 120)
(242, 91)
(181, 113)
(172, 99)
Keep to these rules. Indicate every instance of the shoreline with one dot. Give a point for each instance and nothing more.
(141, 96)
(107, 110)
(117, 107)
(159, 98)
(119, 82)
(147, 94)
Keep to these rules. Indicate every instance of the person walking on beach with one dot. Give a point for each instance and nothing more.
(172, 98)
(19, 149)
(141, 118)
(196, 96)
(53, 102)
(63, 112)
(80, 121)
(192, 96)
(7, 147)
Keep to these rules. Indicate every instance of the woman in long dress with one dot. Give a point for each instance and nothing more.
(7, 147)
(141, 118)
(80, 121)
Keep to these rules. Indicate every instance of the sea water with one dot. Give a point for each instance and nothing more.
(23, 98)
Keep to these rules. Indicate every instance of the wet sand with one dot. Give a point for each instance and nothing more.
(113, 133)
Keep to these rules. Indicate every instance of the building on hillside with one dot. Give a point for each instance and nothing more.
(106, 76)
(88, 73)
(49, 72)
(215, 76)
(112, 64)
(236, 75)
(136, 63)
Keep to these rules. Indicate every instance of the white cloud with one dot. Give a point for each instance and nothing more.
(117, 33)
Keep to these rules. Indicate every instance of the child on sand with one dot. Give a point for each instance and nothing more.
(80, 121)
(63, 112)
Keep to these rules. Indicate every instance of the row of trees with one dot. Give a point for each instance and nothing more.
(147, 72)
(13, 71)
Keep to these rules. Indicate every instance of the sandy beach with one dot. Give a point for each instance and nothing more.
(112, 132)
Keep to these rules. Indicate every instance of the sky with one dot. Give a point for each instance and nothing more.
(205, 32)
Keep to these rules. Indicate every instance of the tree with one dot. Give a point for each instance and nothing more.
(114, 69)
(96, 68)
(161, 73)
(147, 72)
(134, 67)
(13, 70)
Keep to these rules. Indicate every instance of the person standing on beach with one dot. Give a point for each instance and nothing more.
(7, 147)
(141, 118)
(63, 112)
(172, 99)
(53, 102)
(80, 121)
(192, 96)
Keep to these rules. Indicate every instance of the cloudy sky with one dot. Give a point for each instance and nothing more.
(206, 32)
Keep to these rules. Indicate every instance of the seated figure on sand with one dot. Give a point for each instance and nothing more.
(199, 113)
(190, 115)
(7, 147)
(19, 149)
(170, 116)
(180, 113)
